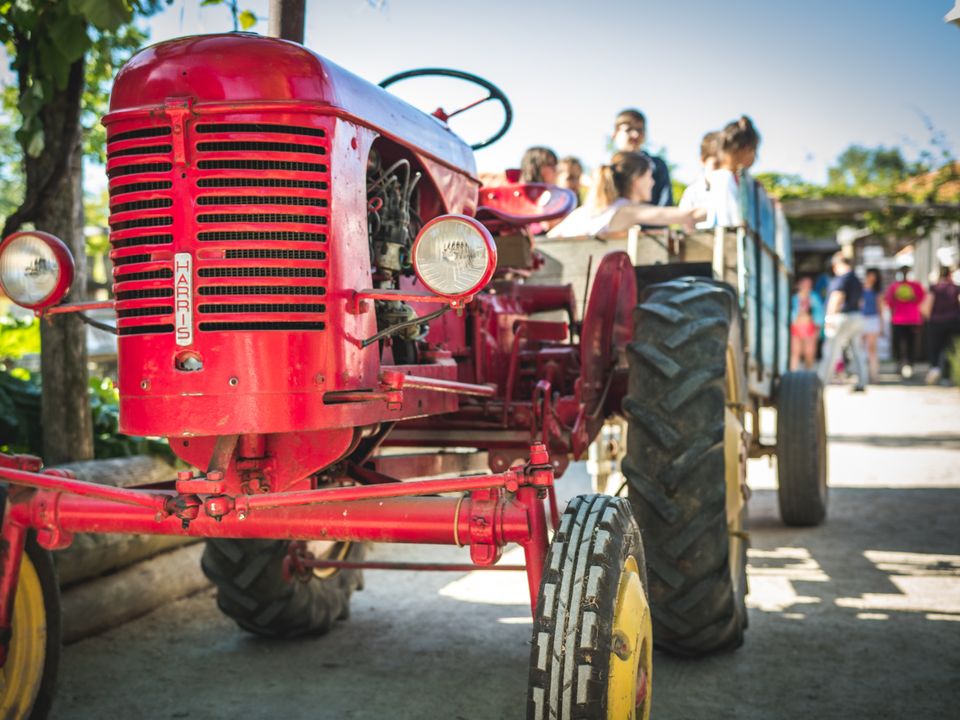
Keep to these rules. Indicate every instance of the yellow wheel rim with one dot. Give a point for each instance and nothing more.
(631, 654)
(735, 463)
(328, 550)
(20, 678)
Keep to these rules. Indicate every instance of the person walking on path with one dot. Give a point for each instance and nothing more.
(942, 310)
(806, 321)
(903, 298)
(872, 319)
(843, 324)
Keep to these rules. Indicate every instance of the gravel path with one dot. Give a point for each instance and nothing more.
(859, 618)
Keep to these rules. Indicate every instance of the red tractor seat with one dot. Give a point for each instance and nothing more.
(510, 207)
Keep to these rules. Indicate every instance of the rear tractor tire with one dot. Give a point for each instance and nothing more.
(686, 462)
(28, 678)
(252, 588)
(801, 449)
(591, 655)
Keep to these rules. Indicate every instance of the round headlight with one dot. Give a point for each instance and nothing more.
(36, 269)
(454, 255)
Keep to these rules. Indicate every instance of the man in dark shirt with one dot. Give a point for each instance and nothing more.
(843, 325)
(629, 134)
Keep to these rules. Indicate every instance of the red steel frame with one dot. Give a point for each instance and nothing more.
(502, 508)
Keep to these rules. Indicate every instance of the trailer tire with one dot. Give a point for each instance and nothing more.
(253, 590)
(801, 449)
(591, 654)
(30, 673)
(686, 459)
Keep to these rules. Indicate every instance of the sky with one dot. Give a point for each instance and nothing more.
(814, 75)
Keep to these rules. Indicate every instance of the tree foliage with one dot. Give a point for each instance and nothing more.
(879, 172)
(62, 53)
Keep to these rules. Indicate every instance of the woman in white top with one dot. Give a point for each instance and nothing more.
(619, 199)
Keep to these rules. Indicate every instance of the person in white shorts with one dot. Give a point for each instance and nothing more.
(843, 324)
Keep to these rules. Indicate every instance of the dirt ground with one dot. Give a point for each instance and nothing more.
(859, 618)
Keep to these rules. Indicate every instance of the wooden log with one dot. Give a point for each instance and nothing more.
(106, 602)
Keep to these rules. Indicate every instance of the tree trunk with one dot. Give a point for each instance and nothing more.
(65, 409)
(286, 19)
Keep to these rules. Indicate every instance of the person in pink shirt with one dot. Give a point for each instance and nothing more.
(904, 298)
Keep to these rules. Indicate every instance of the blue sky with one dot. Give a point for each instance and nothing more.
(815, 75)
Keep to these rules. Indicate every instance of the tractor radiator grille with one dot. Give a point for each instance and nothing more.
(250, 205)
(140, 168)
(262, 204)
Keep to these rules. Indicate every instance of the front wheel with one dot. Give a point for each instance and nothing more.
(29, 675)
(592, 643)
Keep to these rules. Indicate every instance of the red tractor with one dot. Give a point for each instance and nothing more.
(327, 316)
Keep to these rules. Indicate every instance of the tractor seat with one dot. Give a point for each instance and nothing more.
(505, 208)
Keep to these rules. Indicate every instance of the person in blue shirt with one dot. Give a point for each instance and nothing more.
(843, 322)
(872, 319)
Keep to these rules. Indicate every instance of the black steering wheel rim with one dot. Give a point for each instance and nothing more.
(495, 94)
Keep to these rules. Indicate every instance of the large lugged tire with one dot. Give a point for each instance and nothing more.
(686, 459)
(253, 591)
(801, 449)
(28, 679)
(592, 646)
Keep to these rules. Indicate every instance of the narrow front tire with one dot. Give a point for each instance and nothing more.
(592, 634)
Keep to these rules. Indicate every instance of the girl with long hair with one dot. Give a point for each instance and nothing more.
(619, 198)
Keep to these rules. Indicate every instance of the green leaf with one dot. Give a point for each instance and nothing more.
(247, 19)
(31, 101)
(69, 34)
(36, 144)
(208, 3)
(107, 15)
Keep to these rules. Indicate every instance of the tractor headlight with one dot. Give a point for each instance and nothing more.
(454, 255)
(36, 269)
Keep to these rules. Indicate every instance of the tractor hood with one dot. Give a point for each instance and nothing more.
(244, 68)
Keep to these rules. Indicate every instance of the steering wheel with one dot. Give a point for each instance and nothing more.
(495, 93)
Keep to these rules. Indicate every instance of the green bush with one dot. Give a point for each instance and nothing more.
(20, 419)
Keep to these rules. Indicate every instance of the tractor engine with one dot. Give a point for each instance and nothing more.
(393, 221)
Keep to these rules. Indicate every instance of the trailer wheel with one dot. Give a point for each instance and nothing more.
(801, 449)
(591, 655)
(253, 590)
(28, 678)
(686, 461)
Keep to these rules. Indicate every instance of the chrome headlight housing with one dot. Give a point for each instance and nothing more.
(36, 269)
(454, 256)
